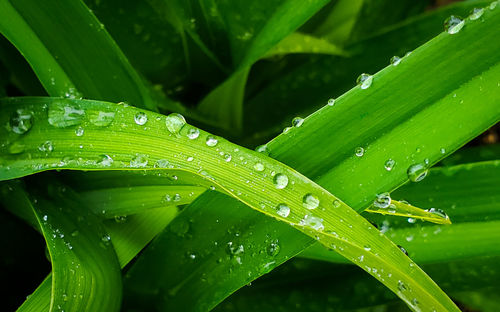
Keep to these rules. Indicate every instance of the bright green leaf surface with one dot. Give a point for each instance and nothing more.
(377, 116)
(275, 189)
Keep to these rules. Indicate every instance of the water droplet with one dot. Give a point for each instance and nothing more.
(401, 286)
(286, 129)
(336, 203)
(403, 250)
(262, 149)
(331, 102)
(310, 201)
(493, 5)
(443, 151)
(141, 118)
(106, 239)
(120, 219)
(382, 201)
(297, 122)
(227, 157)
(476, 13)
(211, 141)
(79, 131)
(139, 161)
(193, 133)
(412, 220)
(106, 161)
(258, 167)
(283, 210)
(101, 119)
(367, 248)
(45, 218)
(161, 163)
(280, 181)
(46, 147)
(364, 81)
(395, 60)
(313, 222)
(438, 212)
(359, 151)
(21, 121)
(234, 249)
(273, 249)
(453, 24)
(190, 158)
(417, 172)
(389, 164)
(175, 122)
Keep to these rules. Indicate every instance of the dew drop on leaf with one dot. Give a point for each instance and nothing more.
(297, 121)
(79, 131)
(310, 201)
(63, 113)
(364, 81)
(139, 161)
(280, 181)
(313, 222)
(453, 24)
(175, 122)
(395, 60)
(258, 167)
(106, 161)
(141, 118)
(331, 102)
(389, 164)
(417, 172)
(403, 250)
(262, 149)
(21, 121)
(283, 210)
(438, 212)
(211, 141)
(382, 201)
(476, 13)
(46, 147)
(101, 119)
(273, 249)
(359, 151)
(193, 133)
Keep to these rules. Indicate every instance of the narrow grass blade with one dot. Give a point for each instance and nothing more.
(120, 142)
(62, 51)
(77, 251)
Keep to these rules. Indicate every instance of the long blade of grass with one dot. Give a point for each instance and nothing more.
(331, 150)
(62, 51)
(468, 193)
(85, 269)
(272, 188)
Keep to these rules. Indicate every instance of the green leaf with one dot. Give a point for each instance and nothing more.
(468, 193)
(79, 250)
(120, 141)
(328, 139)
(304, 86)
(304, 43)
(62, 51)
(250, 37)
